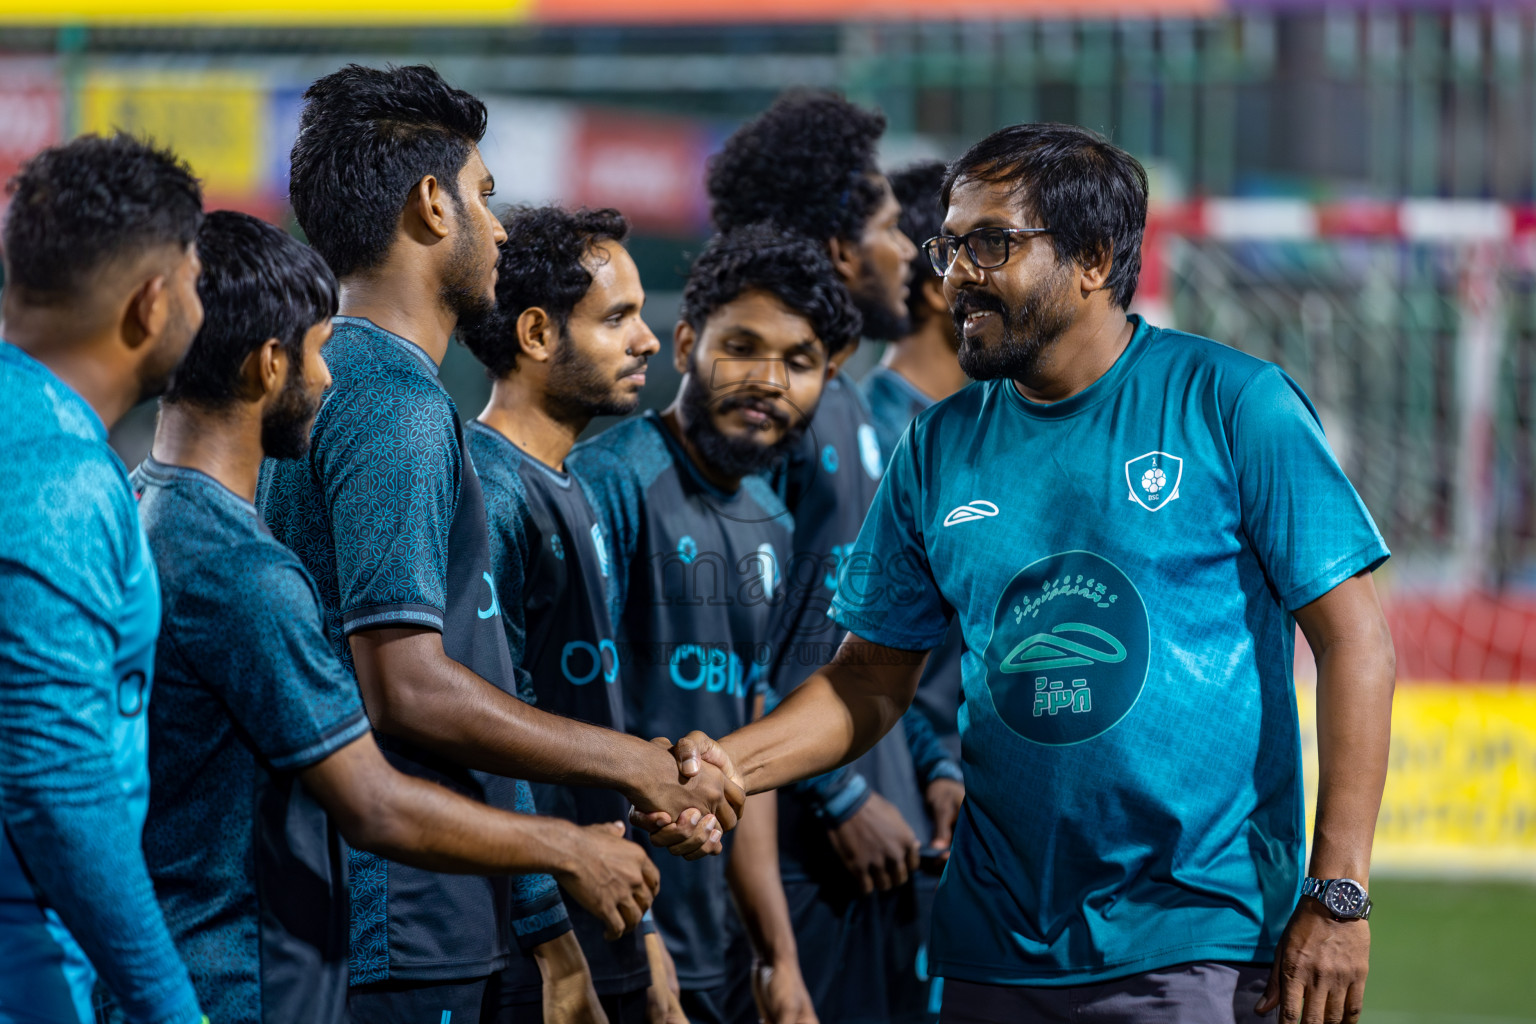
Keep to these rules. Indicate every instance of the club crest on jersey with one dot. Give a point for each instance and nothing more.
(869, 450)
(829, 459)
(1153, 479)
(687, 550)
(601, 548)
(970, 512)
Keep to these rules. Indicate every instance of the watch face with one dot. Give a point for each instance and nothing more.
(1345, 898)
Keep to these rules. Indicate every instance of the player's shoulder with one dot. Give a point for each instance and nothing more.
(632, 450)
(1200, 363)
(380, 377)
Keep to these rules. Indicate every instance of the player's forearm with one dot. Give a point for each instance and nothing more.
(1355, 681)
(417, 822)
(758, 889)
(1356, 671)
(832, 718)
(413, 690)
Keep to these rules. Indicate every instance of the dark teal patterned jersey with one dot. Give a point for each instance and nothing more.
(1125, 565)
(386, 515)
(79, 611)
(548, 546)
(893, 404)
(248, 692)
(696, 588)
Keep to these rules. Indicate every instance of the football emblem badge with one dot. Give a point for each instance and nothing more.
(1154, 479)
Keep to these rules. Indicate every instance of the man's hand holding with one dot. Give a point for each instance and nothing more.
(1320, 968)
(876, 845)
(610, 876)
(705, 776)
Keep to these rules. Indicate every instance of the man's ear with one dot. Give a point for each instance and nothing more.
(683, 340)
(263, 372)
(1095, 273)
(846, 258)
(429, 206)
(536, 333)
(837, 360)
(147, 312)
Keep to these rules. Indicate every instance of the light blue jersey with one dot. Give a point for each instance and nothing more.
(1124, 565)
(79, 615)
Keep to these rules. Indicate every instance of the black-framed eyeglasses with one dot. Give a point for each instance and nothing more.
(987, 247)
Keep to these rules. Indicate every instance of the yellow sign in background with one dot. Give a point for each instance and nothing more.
(261, 12)
(1461, 782)
(217, 121)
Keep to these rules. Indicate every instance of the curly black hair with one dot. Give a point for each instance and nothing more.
(540, 266)
(1091, 193)
(366, 138)
(806, 164)
(790, 267)
(257, 283)
(917, 190)
(77, 207)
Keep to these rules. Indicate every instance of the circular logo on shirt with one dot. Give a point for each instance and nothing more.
(829, 459)
(1069, 650)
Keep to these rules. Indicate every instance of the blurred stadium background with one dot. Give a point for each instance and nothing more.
(1346, 188)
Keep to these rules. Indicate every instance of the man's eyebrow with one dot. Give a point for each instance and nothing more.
(991, 221)
(621, 307)
(488, 183)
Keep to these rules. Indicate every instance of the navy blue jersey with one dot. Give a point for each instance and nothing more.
(893, 404)
(695, 589)
(548, 546)
(247, 867)
(829, 481)
(79, 612)
(387, 516)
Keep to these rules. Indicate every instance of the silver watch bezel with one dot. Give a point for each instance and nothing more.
(1329, 887)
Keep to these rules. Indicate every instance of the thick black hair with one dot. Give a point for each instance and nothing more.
(1089, 192)
(78, 207)
(807, 164)
(917, 190)
(258, 282)
(540, 264)
(790, 267)
(366, 138)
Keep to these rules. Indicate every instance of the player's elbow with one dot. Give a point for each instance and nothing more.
(375, 820)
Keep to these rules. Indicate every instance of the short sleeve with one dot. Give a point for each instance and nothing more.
(390, 473)
(886, 592)
(1303, 518)
(282, 684)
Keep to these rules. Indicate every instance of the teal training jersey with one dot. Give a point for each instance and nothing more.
(1124, 565)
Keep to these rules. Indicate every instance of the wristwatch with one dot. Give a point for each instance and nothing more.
(1345, 898)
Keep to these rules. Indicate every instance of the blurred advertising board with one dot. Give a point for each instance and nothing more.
(260, 12)
(31, 113)
(1461, 779)
(220, 122)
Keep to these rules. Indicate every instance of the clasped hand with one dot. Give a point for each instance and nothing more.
(698, 798)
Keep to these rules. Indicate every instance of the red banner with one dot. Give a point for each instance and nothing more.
(652, 169)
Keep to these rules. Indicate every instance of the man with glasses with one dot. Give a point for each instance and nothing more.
(1128, 523)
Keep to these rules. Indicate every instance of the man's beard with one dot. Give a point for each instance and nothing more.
(727, 455)
(881, 323)
(464, 291)
(286, 426)
(577, 387)
(1028, 330)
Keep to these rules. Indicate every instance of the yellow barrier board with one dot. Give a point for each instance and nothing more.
(1461, 781)
(216, 121)
(260, 12)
